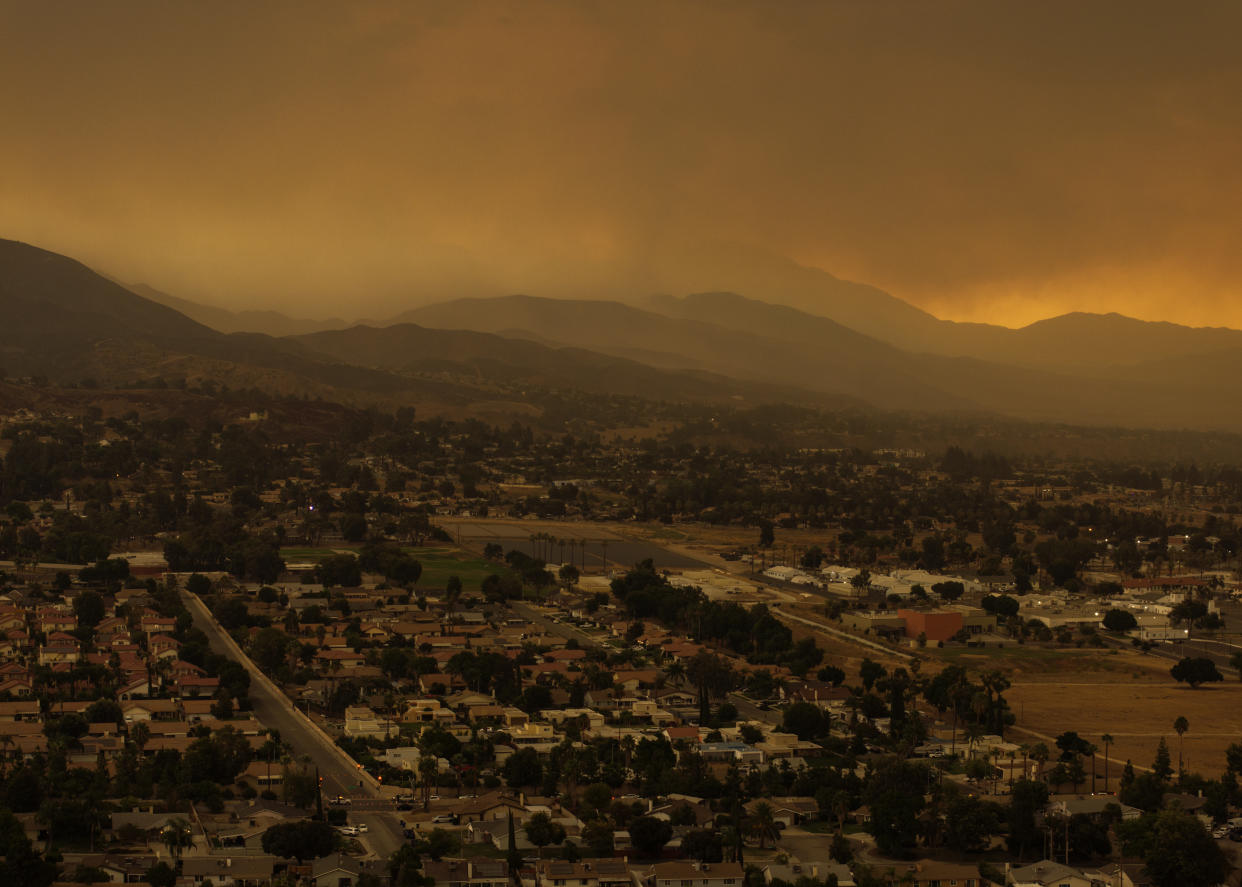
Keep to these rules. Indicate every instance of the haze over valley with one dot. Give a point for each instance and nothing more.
(478, 443)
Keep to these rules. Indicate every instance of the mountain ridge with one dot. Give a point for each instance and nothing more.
(65, 321)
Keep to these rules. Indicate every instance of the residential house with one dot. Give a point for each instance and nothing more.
(338, 658)
(150, 710)
(1089, 805)
(342, 871)
(163, 647)
(688, 735)
(477, 872)
(198, 686)
(584, 873)
(694, 874)
(360, 720)
(224, 870)
(931, 873)
(426, 711)
(789, 811)
(738, 752)
(540, 737)
(1046, 873)
(19, 710)
(792, 872)
(489, 807)
(60, 647)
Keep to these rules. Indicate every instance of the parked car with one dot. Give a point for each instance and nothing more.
(362, 828)
(349, 830)
(443, 817)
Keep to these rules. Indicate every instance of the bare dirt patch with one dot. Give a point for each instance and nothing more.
(1137, 713)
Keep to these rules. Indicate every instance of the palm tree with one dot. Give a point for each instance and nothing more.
(974, 732)
(427, 768)
(628, 745)
(1181, 725)
(176, 834)
(1107, 739)
(1039, 754)
(840, 808)
(763, 823)
(452, 593)
(571, 769)
(140, 733)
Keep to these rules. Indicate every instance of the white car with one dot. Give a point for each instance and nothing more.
(349, 830)
(362, 828)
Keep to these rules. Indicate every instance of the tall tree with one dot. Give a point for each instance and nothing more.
(1180, 726)
(763, 823)
(1161, 766)
(541, 831)
(1178, 852)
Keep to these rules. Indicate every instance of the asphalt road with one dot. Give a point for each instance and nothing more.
(748, 710)
(841, 635)
(276, 711)
(561, 629)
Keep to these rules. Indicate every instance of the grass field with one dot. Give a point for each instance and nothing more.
(1028, 660)
(439, 562)
(304, 554)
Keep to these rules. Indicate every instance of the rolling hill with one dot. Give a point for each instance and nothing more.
(407, 347)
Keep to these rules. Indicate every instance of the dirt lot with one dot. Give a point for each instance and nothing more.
(1137, 713)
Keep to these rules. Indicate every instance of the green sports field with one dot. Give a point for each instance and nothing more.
(439, 562)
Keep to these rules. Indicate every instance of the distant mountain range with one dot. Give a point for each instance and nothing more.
(271, 323)
(63, 321)
(860, 346)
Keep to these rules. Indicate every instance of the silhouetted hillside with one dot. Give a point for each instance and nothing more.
(408, 347)
(839, 361)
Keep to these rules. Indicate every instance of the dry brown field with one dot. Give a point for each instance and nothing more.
(1137, 713)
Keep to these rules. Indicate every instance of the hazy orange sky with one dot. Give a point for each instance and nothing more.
(983, 160)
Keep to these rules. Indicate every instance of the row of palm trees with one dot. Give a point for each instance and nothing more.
(1041, 754)
(542, 546)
